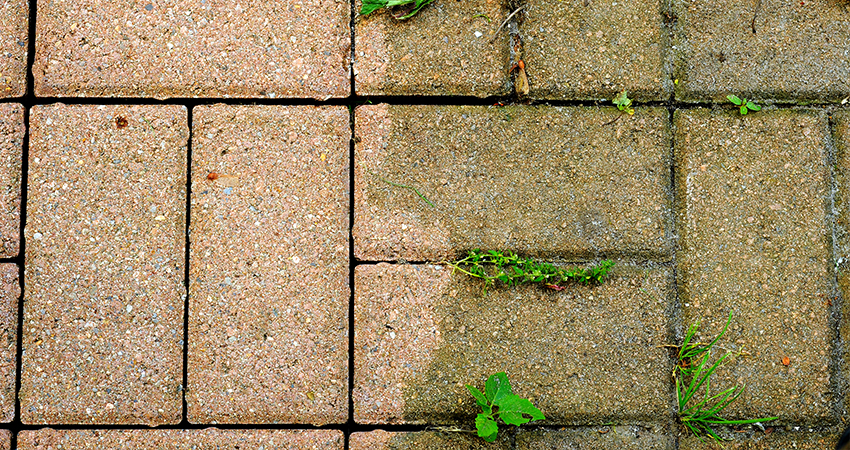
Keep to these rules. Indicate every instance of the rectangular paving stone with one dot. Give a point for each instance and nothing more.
(588, 353)
(765, 49)
(425, 440)
(10, 293)
(12, 129)
(105, 232)
(580, 49)
(14, 29)
(754, 239)
(268, 319)
(206, 439)
(598, 438)
(537, 180)
(194, 48)
(776, 440)
(443, 50)
(841, 138)
(5, 440)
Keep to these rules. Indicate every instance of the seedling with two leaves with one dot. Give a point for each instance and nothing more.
(744, 104)
(498, 402)
(402, 9)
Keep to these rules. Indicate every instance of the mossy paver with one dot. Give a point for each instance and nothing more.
(268, 320)
(443, 50)
(596, 438)
(754, 238)
(425, 440)
(587, 49)
(12, 130)
(14, 27)
(105, 232)
(10, 292)
(764, 49)
(206, 439)
(585, 353)
(193, 48)
(776, 440)
(573, 182)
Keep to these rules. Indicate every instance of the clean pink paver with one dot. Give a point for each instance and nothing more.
(10, 292)
(12, 129)
(206, 439)
(105, 259)
(195, 48)
(268, 320)
(14, 28)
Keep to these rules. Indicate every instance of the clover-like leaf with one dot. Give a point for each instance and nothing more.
(487, 427)
(513, 409)
(497, 387)
(734, 99)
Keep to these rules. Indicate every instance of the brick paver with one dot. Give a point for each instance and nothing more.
(206, 439)
(12, 130)
(104, 265)
(269, 265)
(752, 193)
(449, 48)
(586, 353)
(14, 25)
(193, 48)
(5, 440)
(424, 440)
(598, 438)
(10, 292)
(583, 49)
(797, 440)
(767, 49)
(539, 181)
(841, 137)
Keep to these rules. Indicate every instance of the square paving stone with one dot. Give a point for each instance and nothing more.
(12, 129)
(268, 318)
(425, 440)
(754, 239)
(194, 48)
(587, 353)
(448, 48)
(599, 438)
(10, 292)
(537, 180)
(589, 49)
(206, 439)
(759, 441)
(763, 49)
(14, 29)
(105, 255)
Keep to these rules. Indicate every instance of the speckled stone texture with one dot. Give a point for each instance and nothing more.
(778, 440)
(14, 28)
(590, 49)
(597, 438)
(442, 50)
(12, 130)
(10, 293)
(841, 197)
(268, 320)
(105, 232)
(193, 48)
(582, 354)
(754, 239)
(425, 440)
(206, 439)
(765, 49)
(538, 180)
(5, 440)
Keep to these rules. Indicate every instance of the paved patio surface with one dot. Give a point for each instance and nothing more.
(227, 224)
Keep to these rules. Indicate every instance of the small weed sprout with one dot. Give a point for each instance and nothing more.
(693, 370)
(624, 103)
(499, 402)
(405, 9)
(744, 104)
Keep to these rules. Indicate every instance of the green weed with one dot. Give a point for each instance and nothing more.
(745, 105)
(624, 103)
(499, 402)
(404, 9)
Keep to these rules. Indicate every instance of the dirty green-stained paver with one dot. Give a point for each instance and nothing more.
(206, 439)
(195, 48)
(10, 292)
(104, 262)
(583, 354)
(12, 130)
(443, 50)
(425, 440)
(598, 438)
(776, 440)
(537, 180)
(589, 49)
(752, 197)
(14, 27)
(268, 320)
(766, 49)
